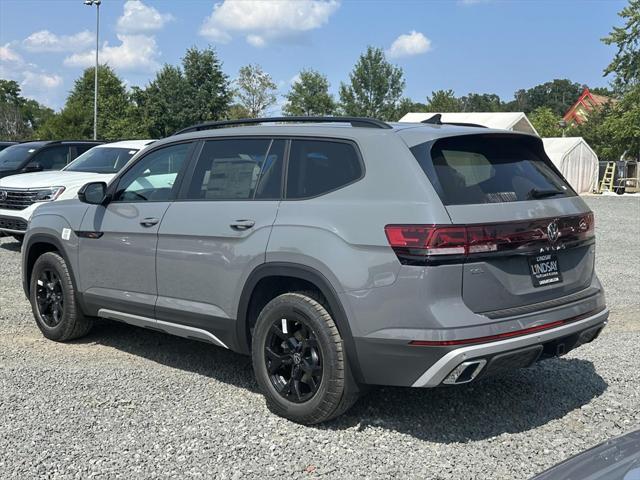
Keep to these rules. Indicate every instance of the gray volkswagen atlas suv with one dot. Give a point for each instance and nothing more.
(337, 252)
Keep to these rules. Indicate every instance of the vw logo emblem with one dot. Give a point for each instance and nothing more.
(3, 195)
(553, 233)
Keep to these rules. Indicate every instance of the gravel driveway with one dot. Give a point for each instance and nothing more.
(131, 403)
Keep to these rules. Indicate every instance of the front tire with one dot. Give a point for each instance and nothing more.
(299, 361)
(53, 300)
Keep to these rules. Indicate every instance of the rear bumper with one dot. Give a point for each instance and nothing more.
(520, 351)
(394, 361)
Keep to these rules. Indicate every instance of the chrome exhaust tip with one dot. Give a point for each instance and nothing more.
(465, 372)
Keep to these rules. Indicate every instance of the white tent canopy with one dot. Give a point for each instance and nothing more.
(576, 161)
(514, 121)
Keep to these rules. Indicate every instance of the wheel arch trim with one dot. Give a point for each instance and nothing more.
(26, 249)
(311, 275)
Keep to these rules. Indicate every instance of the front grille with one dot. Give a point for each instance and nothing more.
(9, 223)
(17, 199)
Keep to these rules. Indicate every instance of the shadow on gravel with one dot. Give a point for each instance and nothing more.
(189, 355)
(10, 245)
(511, 403)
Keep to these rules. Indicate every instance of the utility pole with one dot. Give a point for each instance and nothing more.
(95, 80)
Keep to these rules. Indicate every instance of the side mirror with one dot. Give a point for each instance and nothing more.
(94, 193)
(34, 167)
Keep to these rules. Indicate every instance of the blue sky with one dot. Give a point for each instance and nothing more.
(484, 46)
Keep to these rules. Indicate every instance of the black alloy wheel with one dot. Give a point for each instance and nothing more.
(50, 297)
(294, 359)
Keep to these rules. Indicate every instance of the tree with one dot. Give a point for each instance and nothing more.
(19, 116)
(481, 102)
(375, 87)
(546, 122)
(626, 63)
(161, 105)
(558, 95)
(309, 95)
(443, 101)
(256, 91)
(237, 112)
(406, 105)
(207, 94)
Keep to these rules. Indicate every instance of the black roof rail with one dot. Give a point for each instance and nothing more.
(354, 121)
(437, 120)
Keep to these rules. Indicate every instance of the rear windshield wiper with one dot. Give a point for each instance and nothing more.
(535, 193)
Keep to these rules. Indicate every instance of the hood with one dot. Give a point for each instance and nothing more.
(52, 179)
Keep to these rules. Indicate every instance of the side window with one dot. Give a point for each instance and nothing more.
(80, 149)
(53, 158)
(153, 177)
(238, 169)
(317, 167)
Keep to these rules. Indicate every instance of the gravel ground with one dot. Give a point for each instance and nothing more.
(131, 403)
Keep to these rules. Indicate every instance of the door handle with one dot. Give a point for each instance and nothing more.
(241, 225)
(149, 222)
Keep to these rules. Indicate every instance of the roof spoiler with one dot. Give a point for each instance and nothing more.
(354, 121)
(437, 120)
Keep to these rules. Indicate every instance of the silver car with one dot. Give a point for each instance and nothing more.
(339, 253)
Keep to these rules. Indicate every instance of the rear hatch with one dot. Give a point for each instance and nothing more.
(525, 240)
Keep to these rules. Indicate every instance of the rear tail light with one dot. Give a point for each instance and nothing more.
(415, 244)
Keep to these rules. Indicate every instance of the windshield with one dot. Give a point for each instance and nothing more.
(102, 160)
(13, 157)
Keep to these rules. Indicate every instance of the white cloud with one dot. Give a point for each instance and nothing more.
(262, 21)
(45, 41)
(138, 53)
(256, 40)
(40, 81)
(34, 82)
(140, 18)
(409, 44)
(7, 54)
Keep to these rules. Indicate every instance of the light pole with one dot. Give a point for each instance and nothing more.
(95, 80)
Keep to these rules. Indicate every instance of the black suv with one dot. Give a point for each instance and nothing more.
(41, 155)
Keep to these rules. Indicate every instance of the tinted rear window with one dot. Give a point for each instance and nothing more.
(474, 169)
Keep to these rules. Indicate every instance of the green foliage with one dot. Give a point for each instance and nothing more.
(406, 105)
(161, 105)
(481, 102)
(237, 112)
(207, 94)
(19, 116)
(546, 122)
(626, 63)
(623, 125)
(309, 95)
(558, 95)
(375, 87)
(256, 91)
(178, 97)
(76, 118)
(443, 101)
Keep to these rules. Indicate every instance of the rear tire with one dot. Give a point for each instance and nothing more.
(53, 300)
(301, 368)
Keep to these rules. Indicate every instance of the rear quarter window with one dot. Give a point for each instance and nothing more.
(317, 167)
(472, 169)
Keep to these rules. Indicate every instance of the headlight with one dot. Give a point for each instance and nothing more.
(48, 194)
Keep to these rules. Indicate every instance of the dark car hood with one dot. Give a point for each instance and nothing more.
(615, 459)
